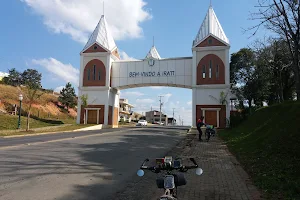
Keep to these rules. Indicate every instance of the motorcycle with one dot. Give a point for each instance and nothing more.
(210, 131)
(169, 181)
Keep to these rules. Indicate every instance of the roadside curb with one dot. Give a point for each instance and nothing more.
(36, 134)
(166, 127)
(59, 140)
(192, 132)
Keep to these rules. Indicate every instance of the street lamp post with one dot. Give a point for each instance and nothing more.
(20, 99)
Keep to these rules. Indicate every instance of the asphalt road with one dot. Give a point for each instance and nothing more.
(94, 166)
(16, 141)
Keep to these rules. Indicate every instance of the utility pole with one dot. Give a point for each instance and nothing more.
(160, 104)
(179, 120)
(173, 117)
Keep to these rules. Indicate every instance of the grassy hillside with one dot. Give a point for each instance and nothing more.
(10, 122)
(268, 146)
(46, 107)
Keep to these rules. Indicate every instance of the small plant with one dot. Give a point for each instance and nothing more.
(223, 98)
(83, 101)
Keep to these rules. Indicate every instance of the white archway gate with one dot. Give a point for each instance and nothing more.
(103, 74)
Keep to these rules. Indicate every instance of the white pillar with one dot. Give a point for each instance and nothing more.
(228, 110)
(86, 116)
(78, 107)
(98, 116)
(218, 118)
(106, 108)
(78, 113)
(194, 90)
(194, 107)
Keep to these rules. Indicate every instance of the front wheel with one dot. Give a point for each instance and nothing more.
(174, 192)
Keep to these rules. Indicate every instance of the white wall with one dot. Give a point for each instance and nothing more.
(203, 96)
(179, 69)
(113, 98)
(96, 97)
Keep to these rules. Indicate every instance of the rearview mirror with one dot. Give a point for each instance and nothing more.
(199, 171)
(140, 173)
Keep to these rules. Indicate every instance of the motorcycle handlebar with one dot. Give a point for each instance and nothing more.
(169, 168)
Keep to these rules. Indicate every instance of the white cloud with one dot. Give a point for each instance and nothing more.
(185, 112)
(185, 116)
(58, 89)
(3, 74)
(78, 18)
(143, 101)
(156, 87)
(132, 94)
(189, 103)
(180, 113)
(125, 56)
(64, 71)
(166, 97)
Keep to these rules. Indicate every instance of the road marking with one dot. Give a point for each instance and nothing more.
(59, 140)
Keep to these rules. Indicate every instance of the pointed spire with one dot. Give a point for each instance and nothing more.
(101, 36)
(153, 41)
(153, 53)
(210, 26)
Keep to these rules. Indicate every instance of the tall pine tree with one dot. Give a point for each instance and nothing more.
(67, 96)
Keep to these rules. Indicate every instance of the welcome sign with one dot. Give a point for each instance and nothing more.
(151, 74)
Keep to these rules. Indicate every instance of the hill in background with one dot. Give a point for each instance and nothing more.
(47, 107)
(267, 144)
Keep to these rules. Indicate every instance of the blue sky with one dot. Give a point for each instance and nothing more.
(49, 35)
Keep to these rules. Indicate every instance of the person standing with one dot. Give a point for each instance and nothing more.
(200, 123)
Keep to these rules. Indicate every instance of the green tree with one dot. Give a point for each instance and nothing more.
(275, 59)
(282, 17)
(67, 96)
(32, 95)
(249, 80)
(14, 78)
(32, 77)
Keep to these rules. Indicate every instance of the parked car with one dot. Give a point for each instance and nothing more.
(157, 122)
(142, 123)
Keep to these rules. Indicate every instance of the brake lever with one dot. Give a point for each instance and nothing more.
(193, 160)
(146, 160)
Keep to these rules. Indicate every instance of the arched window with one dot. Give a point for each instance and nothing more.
(210, 68)
(94, 73)
(214, 73)
(217, 72)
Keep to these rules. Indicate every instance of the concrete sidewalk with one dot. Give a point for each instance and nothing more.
(223, 178)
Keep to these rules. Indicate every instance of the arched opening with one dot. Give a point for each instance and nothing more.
(144, 103)
(210, 70)
(94, 73)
